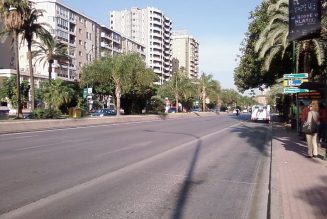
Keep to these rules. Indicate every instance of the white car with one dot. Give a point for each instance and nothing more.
(261, 113)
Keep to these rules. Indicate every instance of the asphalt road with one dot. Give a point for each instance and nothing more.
(205, 167)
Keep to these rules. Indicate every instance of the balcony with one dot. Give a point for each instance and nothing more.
(107, 36)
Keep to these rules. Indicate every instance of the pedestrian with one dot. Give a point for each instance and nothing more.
(323, 122)
(304, 110)
(312, 138)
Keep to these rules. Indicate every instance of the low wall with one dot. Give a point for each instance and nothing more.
(14, 126)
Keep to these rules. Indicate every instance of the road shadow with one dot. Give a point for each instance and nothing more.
(257, 136)
(188, 182)
(317, 198)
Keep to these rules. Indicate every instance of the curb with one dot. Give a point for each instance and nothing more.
(275, 210)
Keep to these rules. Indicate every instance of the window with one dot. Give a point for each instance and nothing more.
(80, 53)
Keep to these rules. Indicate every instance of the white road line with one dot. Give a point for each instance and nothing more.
(19, 212)
(40, 146)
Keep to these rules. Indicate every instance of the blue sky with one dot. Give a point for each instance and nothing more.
(218, 25)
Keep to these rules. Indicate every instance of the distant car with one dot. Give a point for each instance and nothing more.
(195, 110)
(172, 110)
(104, 112)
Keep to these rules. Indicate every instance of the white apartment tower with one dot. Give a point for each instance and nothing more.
(151, 28)
(185, 49)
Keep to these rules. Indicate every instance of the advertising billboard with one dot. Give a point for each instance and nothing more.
(304, 19)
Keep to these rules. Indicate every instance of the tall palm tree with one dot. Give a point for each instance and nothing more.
(50, 49)
(32, 29)
(207, 86)
(13, 13)
(273, 40)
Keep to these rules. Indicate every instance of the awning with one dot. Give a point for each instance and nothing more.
(318, 86)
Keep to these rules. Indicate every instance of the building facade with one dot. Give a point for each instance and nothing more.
(86, 40)
(151, 28)
(80, 33)
(185, 49)
(113, 43)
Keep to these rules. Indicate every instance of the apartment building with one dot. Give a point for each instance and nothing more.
(80, 33)
(113, 43)
(150, 27)
(185, 49)
(7, 60)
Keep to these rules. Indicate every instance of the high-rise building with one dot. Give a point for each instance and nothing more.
(150, 27)
(185, 49)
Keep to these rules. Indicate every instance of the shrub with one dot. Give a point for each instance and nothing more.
(156, 106)
(46, 114)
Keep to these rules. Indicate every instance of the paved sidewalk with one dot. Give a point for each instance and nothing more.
(301, 183)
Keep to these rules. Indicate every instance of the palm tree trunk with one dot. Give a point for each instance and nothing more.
(50, 69)
(203, 99)
(118, 96)
(19, 97)
(176, 97)
(32, 91)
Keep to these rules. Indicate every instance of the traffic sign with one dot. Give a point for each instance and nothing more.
(297, 75)
(85, 93)
(293, 90)
(294, 82)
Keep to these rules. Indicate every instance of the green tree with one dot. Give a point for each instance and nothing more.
(207, 87)
(30, 30)
(50, 49)
(9, 91)
(179, 88)
(273, 42)
(125, 72)
(248, 74)
(13, 13)
(56, 93)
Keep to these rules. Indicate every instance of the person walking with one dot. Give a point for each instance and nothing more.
(312, 138)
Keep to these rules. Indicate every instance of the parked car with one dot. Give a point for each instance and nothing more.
(195, 110)
(104, 112)
(172, 110)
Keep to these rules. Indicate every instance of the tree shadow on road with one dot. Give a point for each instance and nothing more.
(185, 189)
(256, 135)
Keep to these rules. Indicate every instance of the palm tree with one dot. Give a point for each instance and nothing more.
(273, 40)
(32, 29)
(50, 49)
(207, 86)
(57, 93)
(13, 13)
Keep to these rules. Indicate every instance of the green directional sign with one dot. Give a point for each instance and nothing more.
(293, 90)
(297, 75)
(85, 93)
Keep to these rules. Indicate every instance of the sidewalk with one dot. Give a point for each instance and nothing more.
(300, 184)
